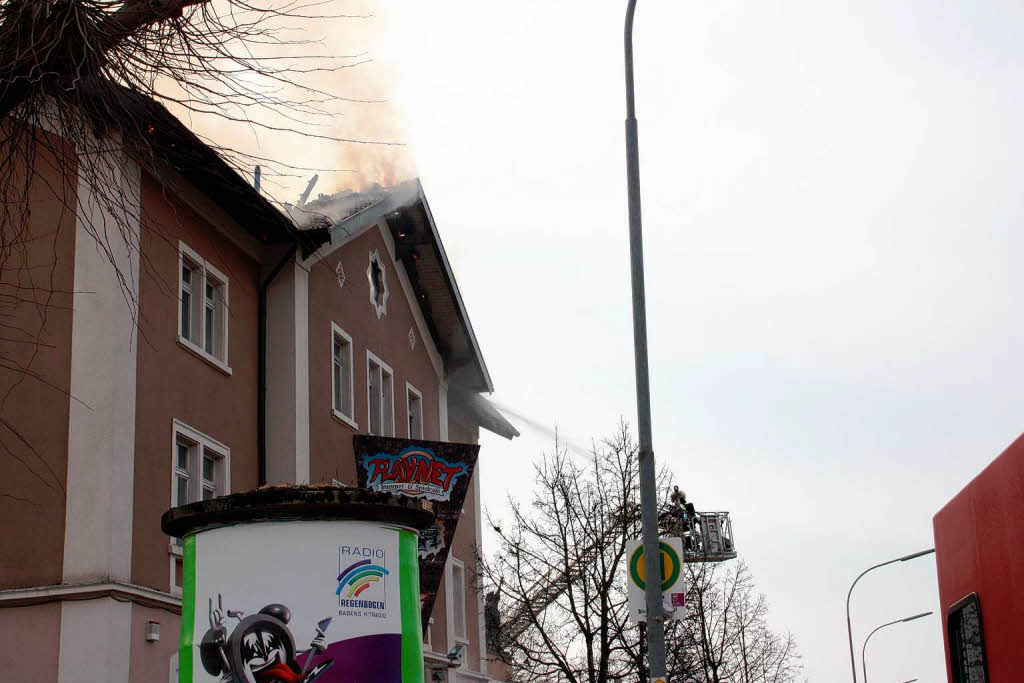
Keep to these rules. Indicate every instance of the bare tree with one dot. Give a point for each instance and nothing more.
(560, 566)
(85, 86)
(557, 600)
(727, 630)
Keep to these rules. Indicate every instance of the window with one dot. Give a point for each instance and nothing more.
(203, 320)
(380, 396)
(967, 642)
(414, 411)
(200, 472)
(342, 379)
(378, 284)
(458, 604)
(198, 469)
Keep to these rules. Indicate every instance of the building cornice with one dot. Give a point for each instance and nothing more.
(123, 592)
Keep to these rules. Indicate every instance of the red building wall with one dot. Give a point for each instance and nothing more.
(979, 548)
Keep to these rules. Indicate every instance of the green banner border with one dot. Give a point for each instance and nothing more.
(188, 611)
(409, 586)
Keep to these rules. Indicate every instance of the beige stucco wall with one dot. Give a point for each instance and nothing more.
(174, 383)
(331, 455)
(29, 642)
(150, 661)
(36, 287)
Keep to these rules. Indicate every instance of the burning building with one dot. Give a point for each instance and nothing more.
(259, 347)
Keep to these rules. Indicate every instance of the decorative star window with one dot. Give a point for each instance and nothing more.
(412, 338)
(378, 284)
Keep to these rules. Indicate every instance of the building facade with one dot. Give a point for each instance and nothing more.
(208, 346)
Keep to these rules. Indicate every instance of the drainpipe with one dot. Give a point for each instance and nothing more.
(261, 419)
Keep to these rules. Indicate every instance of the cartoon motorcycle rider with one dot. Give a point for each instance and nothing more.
(260, 649)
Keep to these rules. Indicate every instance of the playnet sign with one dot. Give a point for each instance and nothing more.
(437, 471)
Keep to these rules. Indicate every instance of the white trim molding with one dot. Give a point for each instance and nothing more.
(69, 592)
(100, 491)
(287, 376)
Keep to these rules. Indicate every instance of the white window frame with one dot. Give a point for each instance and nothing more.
(410, 390)
(350, 420)
(197, 291)
(197, 483)
(455, 591)
(371, 357)
(426, 635)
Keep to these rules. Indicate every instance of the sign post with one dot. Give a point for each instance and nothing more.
(673, 584)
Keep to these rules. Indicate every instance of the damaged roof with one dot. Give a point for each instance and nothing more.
(418, 246)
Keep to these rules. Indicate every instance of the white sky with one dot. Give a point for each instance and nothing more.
(832, 213)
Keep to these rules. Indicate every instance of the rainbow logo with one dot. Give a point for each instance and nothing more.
(358, 577)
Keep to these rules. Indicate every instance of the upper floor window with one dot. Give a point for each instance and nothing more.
(202, 318)
(414, 411)
(380, 380)
(342, 379)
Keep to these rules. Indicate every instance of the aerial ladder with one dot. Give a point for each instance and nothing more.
(707, 537)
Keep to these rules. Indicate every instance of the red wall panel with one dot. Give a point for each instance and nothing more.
(979, 548)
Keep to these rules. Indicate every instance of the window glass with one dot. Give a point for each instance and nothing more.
(341, 377)
(183, 456)
(208, 468)
(415, 411)
(373, 379)
(209, 335)
(182, 497)
(387, 400)
(459, 600)
(186, 322)
(967, 642)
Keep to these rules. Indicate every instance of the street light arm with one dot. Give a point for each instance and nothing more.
(849, 627)
(863, 664)
(630, 107)
(863, 650)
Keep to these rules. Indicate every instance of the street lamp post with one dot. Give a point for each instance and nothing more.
(849, 629)
(863, 650)
(648, 485)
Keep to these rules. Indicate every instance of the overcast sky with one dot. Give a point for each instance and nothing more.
(832, 211)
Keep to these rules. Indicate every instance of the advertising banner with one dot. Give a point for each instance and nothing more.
(673, 580)
(301, 601)
(437, 471)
